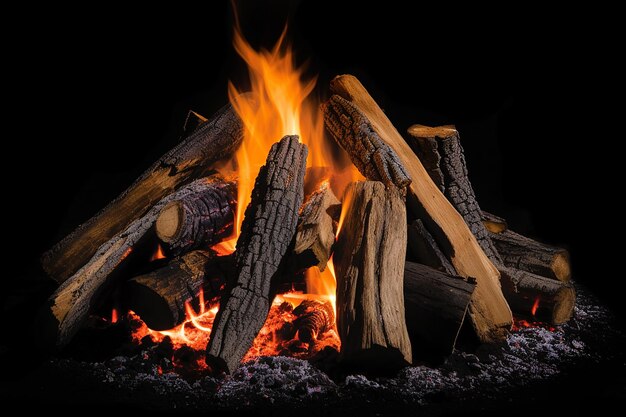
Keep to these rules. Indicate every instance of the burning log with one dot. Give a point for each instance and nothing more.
(316, 235)
(523, 253)
(191, 159)
(369, 262)
(159, 297)
(494, 223)
(198, 220)
(267, 231)
(435, 305)
(543, 298)
(68, 307)
(441, 147)
(314, 319)
(425, 250)
(362, 129)
(520, 287)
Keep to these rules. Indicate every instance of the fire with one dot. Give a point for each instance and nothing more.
(114, 316)
(535, 306)
(158, 254)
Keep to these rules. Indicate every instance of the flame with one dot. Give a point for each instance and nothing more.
(114, 316)
(535, 306)
(158, 253)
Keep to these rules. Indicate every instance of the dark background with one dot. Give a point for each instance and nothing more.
(94, 100)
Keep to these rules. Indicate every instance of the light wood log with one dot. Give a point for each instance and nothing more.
(369, 263)
(359, 126)
(494, 223)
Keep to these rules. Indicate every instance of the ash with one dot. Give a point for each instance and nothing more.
(529, 356)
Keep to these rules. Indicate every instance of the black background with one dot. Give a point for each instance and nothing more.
(94, 99)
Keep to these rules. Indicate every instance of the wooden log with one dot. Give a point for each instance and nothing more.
(189, 160)
(493, 223)
(424, 250)
(435, 304)
(523, 253)
(199, 220)
(542, 298)
(159, 297)
(356, 122)
(316, 234)
(69, 306)
(369, 263)
(314, 318)
(267, 232)
(451, 169)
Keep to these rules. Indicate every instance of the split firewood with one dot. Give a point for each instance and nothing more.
(494, 223)
(361, 128)
(542, 298)
(159, 297)
(435, 304)
(267, 232)
(68, 307)
(523, 253)
(191, 159)
(424, 250)
(369, 263)
(314, 318)
(316, 235)
(199, 220)
(519, 286)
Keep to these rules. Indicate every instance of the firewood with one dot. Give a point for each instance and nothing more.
(369, 263)
(69, 306)
(360, 127)
(267, 232)
(435, 304)
(424, 250)
(542, 298)
(199, 220)
(189, 160)
(314, 318)
(494, 223)
(523, 253)
(159, 297)
(451, 169)
(316, 235)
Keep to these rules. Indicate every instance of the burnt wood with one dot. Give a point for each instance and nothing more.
(267, 232)
(424, 249)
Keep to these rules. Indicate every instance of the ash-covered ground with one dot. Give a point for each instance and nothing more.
(536, 369)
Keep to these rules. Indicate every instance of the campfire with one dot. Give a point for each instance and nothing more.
(286, 226)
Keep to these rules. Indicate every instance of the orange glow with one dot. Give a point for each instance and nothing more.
(158, 254)
(114, 316)
(322, 285)
(533, 310)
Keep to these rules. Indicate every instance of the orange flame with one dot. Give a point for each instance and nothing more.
(114, 316)
(158, 254)
(535, 306)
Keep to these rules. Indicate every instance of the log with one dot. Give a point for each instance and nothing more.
(359, 125)
(494, 223)
(316, 235)
(159, 297)
(69, 306)
(542, 298)
(369, 263)
(314, 318)
(435, 304)
(424, 250)
(267, 232)
(451, 169)
(199, 220)
(523, 253)
(189, 160)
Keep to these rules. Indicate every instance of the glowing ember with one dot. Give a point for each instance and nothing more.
(114, 316)
(519, 324)
(535, 306)
(158, 254)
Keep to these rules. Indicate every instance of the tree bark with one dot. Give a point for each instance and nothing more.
(316, 235)
(523, 253)
(68, 307)
(199, 220)
(435, 304)
(267, 232)
(159, 297)
(369, 262)
(542, 298)
(424, 250)
(359, 125)
(191, 159)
